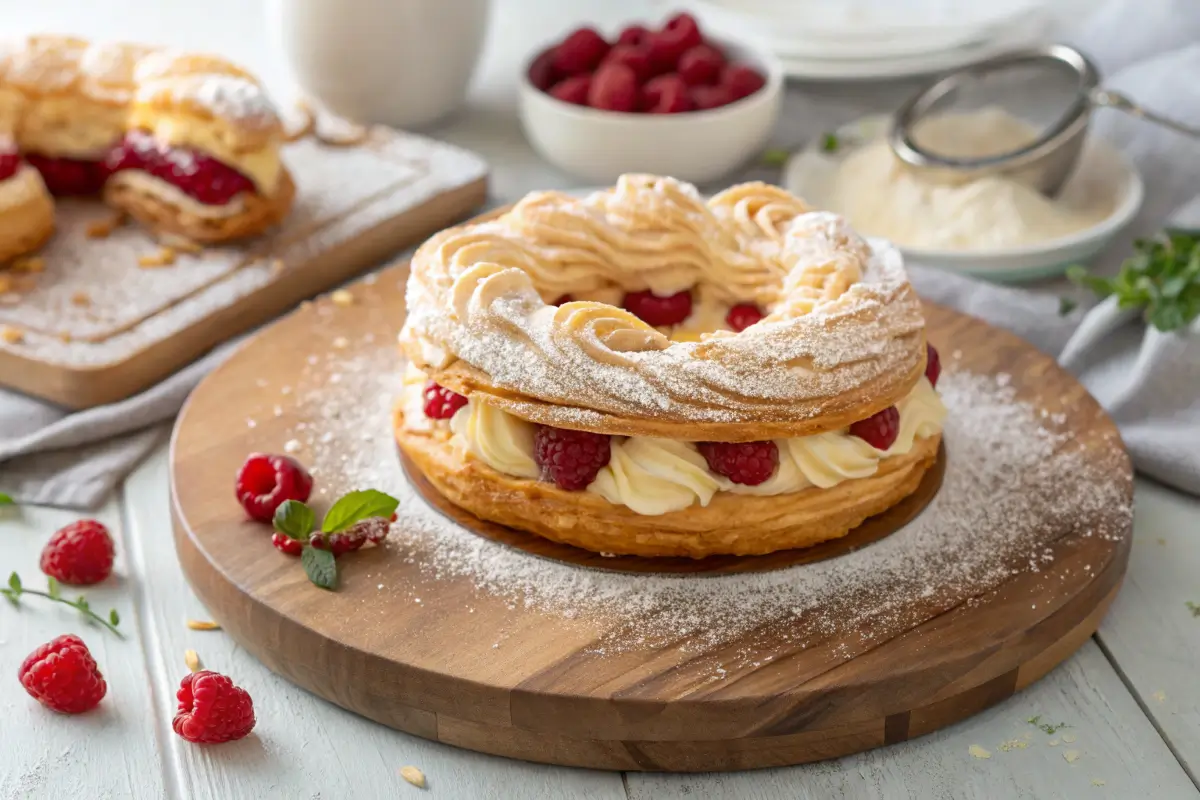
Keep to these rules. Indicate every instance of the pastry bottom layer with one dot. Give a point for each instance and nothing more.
(731, 524)
(27, 222)
(161, 215)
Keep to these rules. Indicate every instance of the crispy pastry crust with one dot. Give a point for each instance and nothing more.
(731, 524)
(27, 225)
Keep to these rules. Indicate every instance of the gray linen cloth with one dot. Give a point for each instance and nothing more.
(1148, 381)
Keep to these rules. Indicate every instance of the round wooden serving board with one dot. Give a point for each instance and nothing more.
(433, 665)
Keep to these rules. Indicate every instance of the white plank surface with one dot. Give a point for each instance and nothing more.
(111, 751)
(1150, 633)
(302, 747)
(1119, 754)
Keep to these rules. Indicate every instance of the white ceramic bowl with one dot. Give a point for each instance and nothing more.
(1101, 168)
(695, 146)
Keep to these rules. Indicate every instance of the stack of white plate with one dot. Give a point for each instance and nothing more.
(874, 39)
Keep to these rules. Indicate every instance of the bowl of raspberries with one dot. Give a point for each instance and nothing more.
(668, 100)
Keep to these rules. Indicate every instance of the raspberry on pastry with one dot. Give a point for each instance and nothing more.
(747, 463)
(878, 430)
(659, 310)
(742, 316)
(569, 458)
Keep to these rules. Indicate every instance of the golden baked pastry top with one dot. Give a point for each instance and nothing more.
(843, 335)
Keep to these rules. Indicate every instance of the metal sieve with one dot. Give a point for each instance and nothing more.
(1054, 88)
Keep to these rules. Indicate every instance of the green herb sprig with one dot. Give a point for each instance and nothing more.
(1162, 278)
(296, 520)
(15, 590)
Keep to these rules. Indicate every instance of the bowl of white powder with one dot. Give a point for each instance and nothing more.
(993, 227)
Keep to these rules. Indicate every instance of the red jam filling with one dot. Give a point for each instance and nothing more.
(69, 176)
(9, 164)
(199, 176)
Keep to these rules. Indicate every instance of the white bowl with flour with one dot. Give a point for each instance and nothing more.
(992, 227)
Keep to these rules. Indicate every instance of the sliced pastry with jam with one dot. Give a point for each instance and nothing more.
(645, 372)
(186, 144)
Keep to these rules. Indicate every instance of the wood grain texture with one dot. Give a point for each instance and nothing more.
(112, 750)
(98, 327)
(545, 697)
(302, 747)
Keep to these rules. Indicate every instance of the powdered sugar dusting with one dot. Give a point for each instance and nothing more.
(1016, 482)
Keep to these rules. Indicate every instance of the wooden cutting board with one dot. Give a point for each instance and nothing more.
(96, 326)
(419, 637)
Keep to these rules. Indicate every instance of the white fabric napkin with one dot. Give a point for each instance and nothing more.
(1148, 381)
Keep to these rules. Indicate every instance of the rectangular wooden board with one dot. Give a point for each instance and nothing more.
(97, 326)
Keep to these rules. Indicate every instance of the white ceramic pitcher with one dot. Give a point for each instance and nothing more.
(403, 63)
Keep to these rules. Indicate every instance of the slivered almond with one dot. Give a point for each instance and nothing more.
(103, 228)
(192, 659)
(203, 625)
(165, 257)
(343, 298)
(12, 335)
(413, 776)
(81, 299)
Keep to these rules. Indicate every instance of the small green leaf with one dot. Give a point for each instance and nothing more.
(1066, 305)
(82, 604)
(53, 587)
(294, 519)
(775, 157)
(1193, 607)
(320, 567)
(14, 582)
(830, 143)
(357, 506)
(12, 597)
(114, 618)
(6, 500)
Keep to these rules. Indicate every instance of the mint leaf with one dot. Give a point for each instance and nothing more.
(113, 617)
(830, 143)
(53, 588)
(775, 157)
(320, 567)
(357, 506)
(14, 582)
(294, 519)
(6, 500)
(12, 597)
(1162, 278)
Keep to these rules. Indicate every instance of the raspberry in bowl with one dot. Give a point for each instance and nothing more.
(665, 99)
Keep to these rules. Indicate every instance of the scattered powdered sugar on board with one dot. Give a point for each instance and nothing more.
(1015, 483)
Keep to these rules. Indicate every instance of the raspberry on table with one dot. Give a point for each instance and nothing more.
(440, 402)
(879, 430)
(570, 458)
(573, 90)
(614, 88)
(264, 481)
(741, 80)
(565, 298)
(63, 676)
(747, 463)
(742, 316)
(80, 553)
(701, 65)
(655, 310)
(212, 710)
(933, 364)
(581, 51)
(286, 544)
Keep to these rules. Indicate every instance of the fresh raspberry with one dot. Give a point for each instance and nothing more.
(636, 58)
(566, 298)
(286, 544)
(211, 709)
(678, 35)
(62, 675)
(9, 164)
(570, 458)
(747, 463)
(742, 80)
(373, 530)
(879, 430)
(440, 402)
(318, 541)
(742, 316)
(542, 72)
(70, 176)
(197, 175)
(635, 35)
(264, 481)
(655, 310)
(669, 96)
(933, 364)
(573, 89)
(80, 553)
(701, 65)
(614, 88)
(706, 97)
(580, 52)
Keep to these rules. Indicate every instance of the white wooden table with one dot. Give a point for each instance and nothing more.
(1129, 696)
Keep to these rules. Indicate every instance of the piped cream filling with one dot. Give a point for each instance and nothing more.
(654, 476)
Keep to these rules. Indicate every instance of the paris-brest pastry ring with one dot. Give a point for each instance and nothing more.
(516, 344)
(186, 144)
